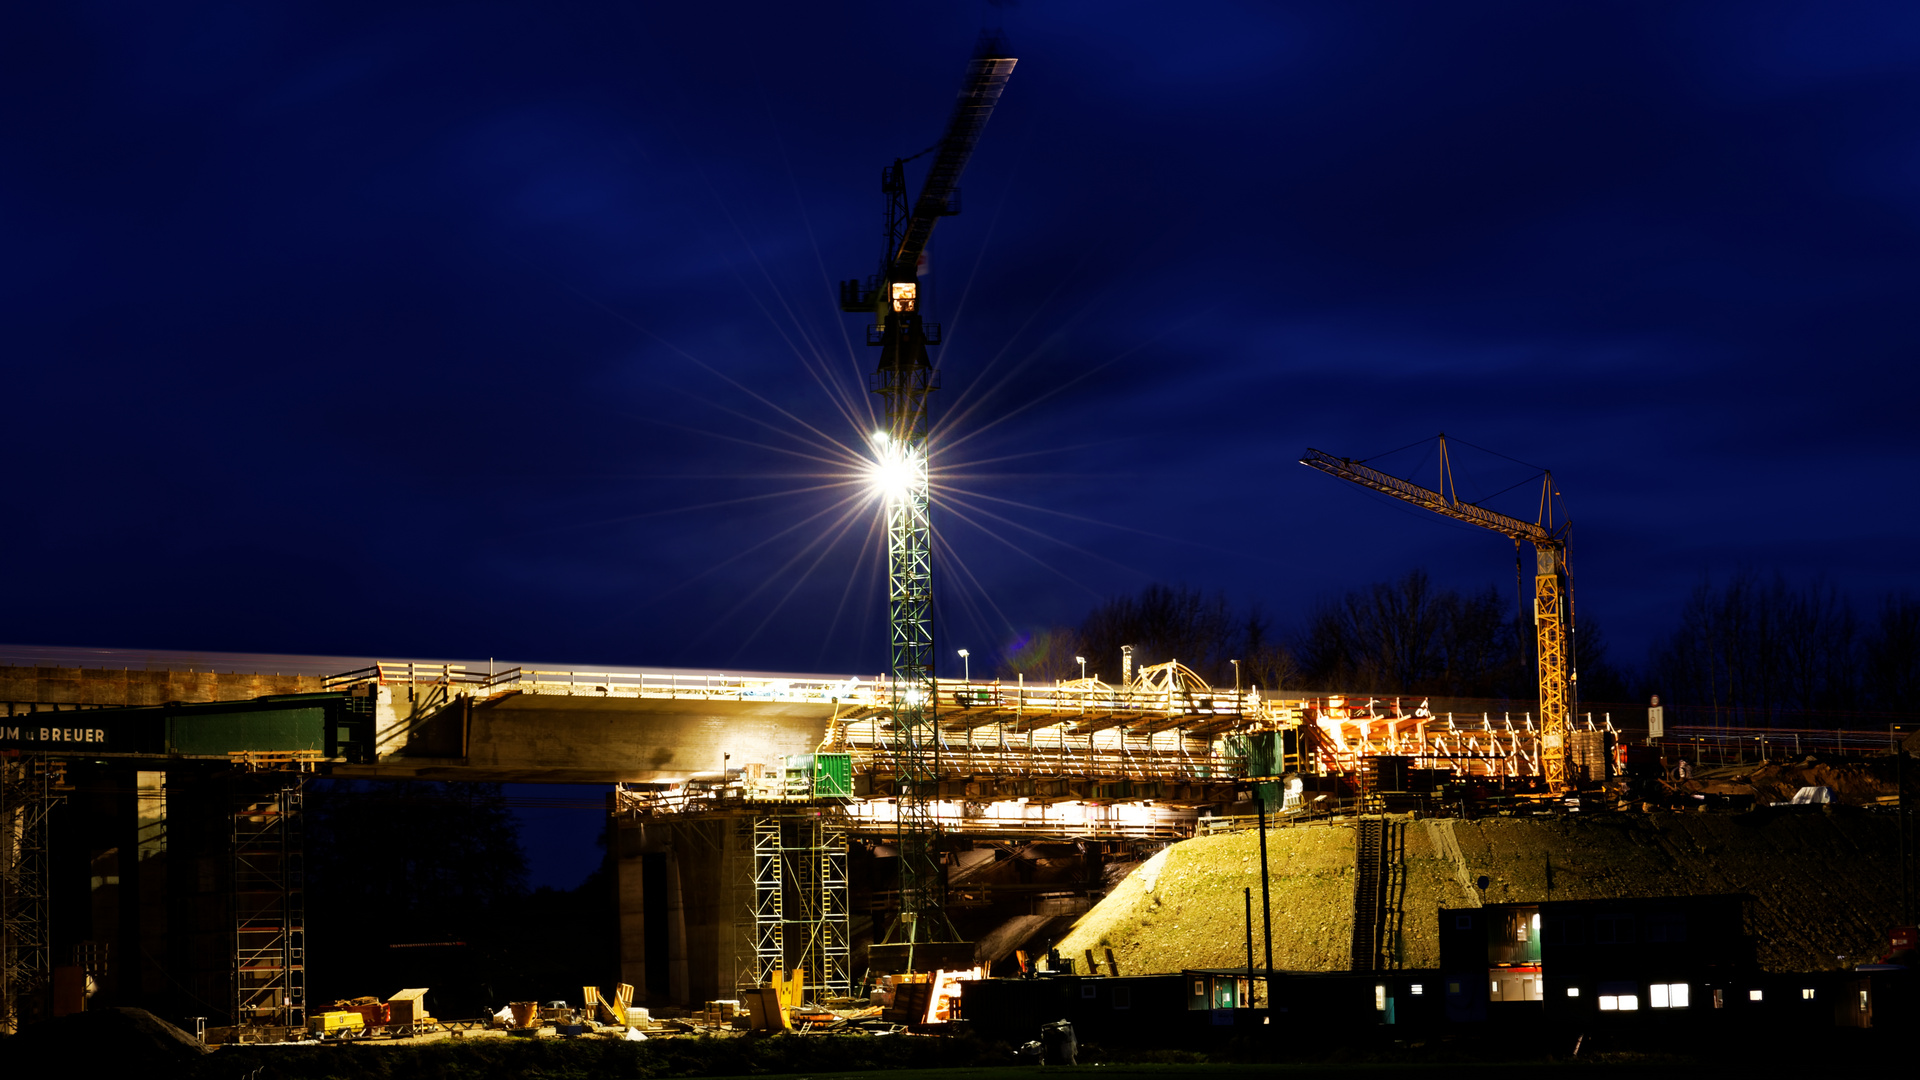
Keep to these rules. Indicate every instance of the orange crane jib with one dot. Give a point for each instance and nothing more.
(1552, 601)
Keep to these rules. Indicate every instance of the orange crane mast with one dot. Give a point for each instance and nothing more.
(1552, 596)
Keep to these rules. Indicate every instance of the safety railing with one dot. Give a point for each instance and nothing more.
(1068, 820)
(953, 698)
(1723, 746)
(1020, 760)
(414, 673)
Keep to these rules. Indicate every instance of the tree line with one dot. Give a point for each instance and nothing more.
(1761, 650)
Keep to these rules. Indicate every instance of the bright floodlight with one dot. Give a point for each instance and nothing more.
(896, 471)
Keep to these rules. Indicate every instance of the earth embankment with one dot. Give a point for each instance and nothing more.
(1823, 882)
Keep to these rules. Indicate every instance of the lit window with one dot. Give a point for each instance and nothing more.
(1806, 993)
(1863, 1001)
(1755, 995)
(1495, 988)
(1667, 996)
(1657, 995)
(1678, 993)
(1418, 989)
(1629, 1002)
(1609, 1003)
(1380, 999)
(1536, 922)
(1573, 991)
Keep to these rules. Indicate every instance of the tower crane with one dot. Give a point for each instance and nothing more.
(1552, 599)
(904, 378)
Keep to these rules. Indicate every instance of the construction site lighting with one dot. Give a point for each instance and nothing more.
(896, 473)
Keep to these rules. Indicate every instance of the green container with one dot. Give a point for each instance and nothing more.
(833, 775)
(216, 734)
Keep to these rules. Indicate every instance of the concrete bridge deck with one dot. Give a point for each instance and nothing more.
(447, 721)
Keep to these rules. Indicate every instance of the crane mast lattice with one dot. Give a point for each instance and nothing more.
(1552, 602)
(903, 379)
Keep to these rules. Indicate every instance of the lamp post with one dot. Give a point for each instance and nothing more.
(966, 666)
(1082, 661)
(1236, 686)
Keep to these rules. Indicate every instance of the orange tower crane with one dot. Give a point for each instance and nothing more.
(1552, 596)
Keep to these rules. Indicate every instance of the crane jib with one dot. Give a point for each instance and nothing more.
(986, 79)
(1432, 500)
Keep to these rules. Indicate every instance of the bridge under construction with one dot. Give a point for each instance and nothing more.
(735, 801)
(743, 797)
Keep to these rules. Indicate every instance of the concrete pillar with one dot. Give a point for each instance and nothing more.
(630, 900)
(677, 983)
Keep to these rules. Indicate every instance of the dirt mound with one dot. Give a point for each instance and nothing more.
(102, 1042)
(1185, 907)
(1824, 883)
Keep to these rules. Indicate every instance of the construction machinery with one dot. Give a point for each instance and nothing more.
(1552, 598)
(904, 378)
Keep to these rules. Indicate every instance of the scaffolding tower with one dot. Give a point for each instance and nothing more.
(269, 908)
(26, 799)
(769, 900)
(817, 855)
(799, 907)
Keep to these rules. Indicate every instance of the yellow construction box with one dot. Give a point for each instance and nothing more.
(331, 1024)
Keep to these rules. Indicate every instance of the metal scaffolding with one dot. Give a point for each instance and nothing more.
(26, 799)
(816, 853)
(269, 908)
(769, 902)
(799, 907)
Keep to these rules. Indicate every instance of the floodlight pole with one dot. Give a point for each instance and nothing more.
(1266, 898)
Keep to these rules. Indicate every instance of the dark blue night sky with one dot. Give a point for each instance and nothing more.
(469, 330)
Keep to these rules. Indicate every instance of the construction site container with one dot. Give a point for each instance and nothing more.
(409, 1006)
(251, 726)
(833, 775)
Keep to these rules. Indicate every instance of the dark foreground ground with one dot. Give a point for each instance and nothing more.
(130, 1043)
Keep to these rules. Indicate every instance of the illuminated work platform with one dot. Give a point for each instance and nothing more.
(524, 725)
